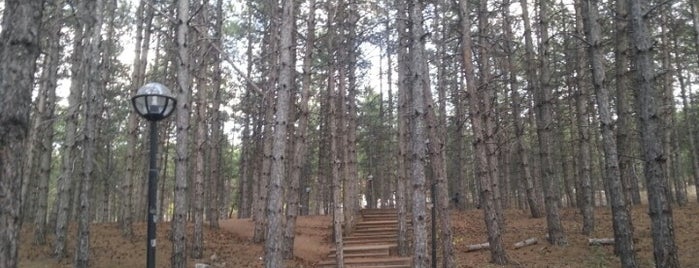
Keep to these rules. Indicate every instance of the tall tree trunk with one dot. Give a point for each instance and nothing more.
(668, 112)
(216, 142)
(533, 86)
(543, 106)
(351, 200)
(70, 146)
(335, 164)
(138, 79)
(19, 50)
(687, 114)
(300, 145)
(46, 114)
(274, 236)
(664, 249)
(624, 121)
(483, 168)
(418, 81)
(200, 147)
(179, 219)
(516, 105)
(621, 221)
(404, 126)
(93, 16)
(582, 116)
(271, 65)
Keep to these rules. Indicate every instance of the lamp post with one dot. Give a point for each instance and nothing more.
(370, 200)
(154, 102)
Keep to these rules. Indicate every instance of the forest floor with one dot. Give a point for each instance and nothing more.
(230, 245)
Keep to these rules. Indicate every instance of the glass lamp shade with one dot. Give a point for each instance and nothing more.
(154, 102)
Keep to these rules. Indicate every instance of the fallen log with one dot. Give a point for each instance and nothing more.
(476, 247)
(600, 241)
(526, 242)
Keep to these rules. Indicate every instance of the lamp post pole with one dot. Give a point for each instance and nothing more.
(153, 102)
(152, 193)
(434, 224)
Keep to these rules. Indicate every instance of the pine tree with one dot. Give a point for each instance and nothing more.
(19, 49)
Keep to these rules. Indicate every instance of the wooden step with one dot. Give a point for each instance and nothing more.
(367, 248)
(391, 261)
(360, 255)
(371, 242)
(376, 236)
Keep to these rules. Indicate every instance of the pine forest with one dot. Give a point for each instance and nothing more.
(349, 133)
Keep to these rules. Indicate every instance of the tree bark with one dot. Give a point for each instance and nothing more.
(19, 50)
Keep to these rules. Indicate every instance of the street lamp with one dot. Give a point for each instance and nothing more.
(154, 102)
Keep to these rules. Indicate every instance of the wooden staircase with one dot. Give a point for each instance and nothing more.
(373, 243)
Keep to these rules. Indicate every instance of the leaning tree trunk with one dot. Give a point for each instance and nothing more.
(621, 216)
(19, 50)
(487, 196)
(647, 97)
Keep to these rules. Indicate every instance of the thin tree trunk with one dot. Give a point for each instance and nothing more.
(215, 179)
(582, 115)
(544, 120)
(533, 86)
(46, 113)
